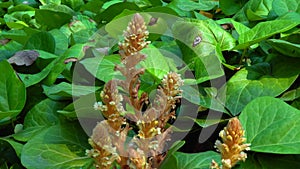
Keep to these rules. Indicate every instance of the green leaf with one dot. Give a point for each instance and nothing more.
(155, 63)
(189, 5)
(31, 79)
(162, 9)
(200, 41)
(291, 95)
(61, 41)
(175, 147)
(258, 9)
(102, 67)
(17, 35)
(45, 2)
(82, 36)
(76, 51)
(211, 101)
(60, 146)
(230, 7)
(74, 4)
(239, 27)
(190, 93)
(42, 41)
(66, 90)
(9, 49)
(81, 23)
(254, 10)
(210, 33)
(32, 3)
(285, 47)
(43, 114)
(113, 10)
(17, 146)
(266, 161)
(93, 6)
(208, 122)
(191, 161)
(12, 93)
(252, 82)
(292, 16)
(69, 111)
(40, 117)
(9, 151)
(53, 16)
(276, 128)
(282, 7)
(264, 30)
(296, 104)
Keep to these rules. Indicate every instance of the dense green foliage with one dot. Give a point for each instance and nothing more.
(45, 45)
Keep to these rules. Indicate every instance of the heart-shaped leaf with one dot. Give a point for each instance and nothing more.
(258, 80)
(272, 126)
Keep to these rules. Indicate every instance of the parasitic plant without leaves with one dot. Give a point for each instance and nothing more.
(109, 140)
(233, 146)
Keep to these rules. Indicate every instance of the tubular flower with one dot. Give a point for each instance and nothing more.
(233, 146)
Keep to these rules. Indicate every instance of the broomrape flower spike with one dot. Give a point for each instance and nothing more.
(233, 146)
(109, 138)
(134, 37)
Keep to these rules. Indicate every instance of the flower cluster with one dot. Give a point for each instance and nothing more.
(109, 140)
(233, 146)
(134, 37)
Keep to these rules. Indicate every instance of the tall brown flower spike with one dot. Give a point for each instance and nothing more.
(233, 146)
(109, 139)
(134, 37)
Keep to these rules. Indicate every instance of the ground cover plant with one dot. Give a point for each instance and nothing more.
(149, 84)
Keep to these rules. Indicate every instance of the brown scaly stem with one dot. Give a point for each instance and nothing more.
(146, 149)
